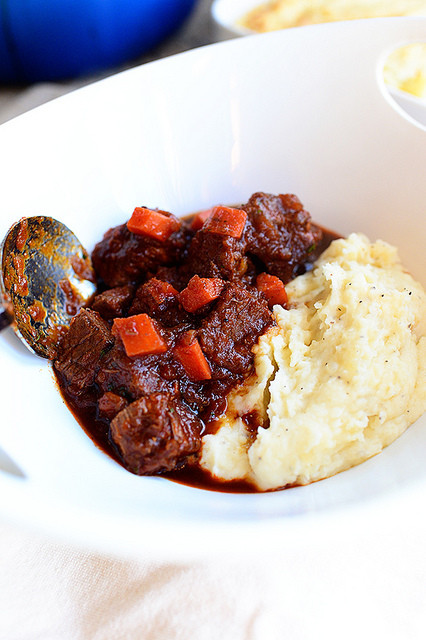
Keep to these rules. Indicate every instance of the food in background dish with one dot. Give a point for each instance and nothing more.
(406, 67)
(233, 339)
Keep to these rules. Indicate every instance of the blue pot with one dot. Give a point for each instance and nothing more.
(55, 39)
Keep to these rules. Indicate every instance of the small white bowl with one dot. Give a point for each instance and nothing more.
(411, 105)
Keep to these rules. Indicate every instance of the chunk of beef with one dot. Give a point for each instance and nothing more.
(110, 404)
(123, 257)
(156, 433)
(131, 377)
(228, 334)
(159, 300)
(176, 276)
(280, 234)
(207, 399)
(212, 255)
(113, 303)
(82, 351)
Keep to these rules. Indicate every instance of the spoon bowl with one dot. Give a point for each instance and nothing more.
(46, 277)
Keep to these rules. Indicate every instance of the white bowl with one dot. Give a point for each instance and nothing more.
(300, 111)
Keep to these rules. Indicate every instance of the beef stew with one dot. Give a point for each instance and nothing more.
(147, 366)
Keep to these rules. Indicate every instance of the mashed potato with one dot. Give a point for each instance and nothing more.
(340, 377)
(405, 68)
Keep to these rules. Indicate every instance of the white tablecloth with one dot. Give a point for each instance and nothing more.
(360, 588)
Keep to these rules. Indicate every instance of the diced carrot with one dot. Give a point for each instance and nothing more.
(199, 292)
(226, 221)
(272, 288)
(161, 290)
(191, 357)
(139, 334)
(199, 219)
(152, 224)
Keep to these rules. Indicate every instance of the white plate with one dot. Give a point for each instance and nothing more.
(300, 111)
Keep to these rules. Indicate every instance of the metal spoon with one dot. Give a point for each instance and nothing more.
(46, 277)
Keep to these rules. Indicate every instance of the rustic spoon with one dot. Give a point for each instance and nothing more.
(46, 277)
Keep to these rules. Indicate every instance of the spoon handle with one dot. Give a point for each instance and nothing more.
(4, 319)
